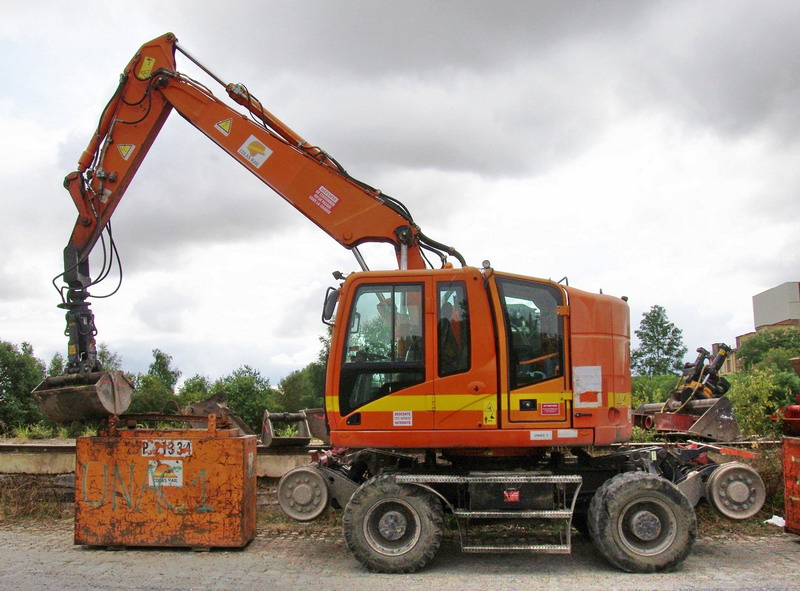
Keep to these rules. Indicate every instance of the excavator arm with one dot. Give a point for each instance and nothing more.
(350, 211)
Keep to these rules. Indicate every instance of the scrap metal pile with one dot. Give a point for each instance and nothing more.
(697, 406)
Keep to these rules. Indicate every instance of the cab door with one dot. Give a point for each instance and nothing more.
(464, 363)
(384, 382)
(534, 389)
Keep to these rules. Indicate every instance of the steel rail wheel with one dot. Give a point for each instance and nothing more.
(736, 490)
(303, 494)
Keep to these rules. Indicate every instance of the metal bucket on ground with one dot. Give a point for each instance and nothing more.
(270, 436)
(708, 418)
(79, 397)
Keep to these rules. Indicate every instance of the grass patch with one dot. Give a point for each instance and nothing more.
(272, 516)
(23, 497)
(25, 433)
(711, 524)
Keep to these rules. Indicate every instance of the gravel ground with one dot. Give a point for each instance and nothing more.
(40, 555)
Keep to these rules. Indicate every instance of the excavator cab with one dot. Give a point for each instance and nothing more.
(456, 358)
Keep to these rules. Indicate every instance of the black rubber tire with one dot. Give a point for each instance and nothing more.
(642, 523)
(391, 527)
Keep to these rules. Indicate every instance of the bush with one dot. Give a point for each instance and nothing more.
(650, 389)
(751, 395)
(249, 395)
(25, 496)
(36, 431)
(20, 373)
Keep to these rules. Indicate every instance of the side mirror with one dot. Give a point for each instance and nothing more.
(328, 309)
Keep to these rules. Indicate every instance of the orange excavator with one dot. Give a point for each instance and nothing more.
(491, 396)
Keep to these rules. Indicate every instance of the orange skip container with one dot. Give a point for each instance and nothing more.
(166, 487)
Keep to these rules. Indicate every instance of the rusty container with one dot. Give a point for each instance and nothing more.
(791, 478)
(174, 487)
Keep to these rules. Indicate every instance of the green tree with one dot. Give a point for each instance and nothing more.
(249, 394)
(302, 389)
(155, 390)
(161, 367)
(108, 359)
(661, 348)
(56, 366)
(194, 389)
(20, 373)
(770, 351)
(650, 389)
(305, 388)
(755, 348)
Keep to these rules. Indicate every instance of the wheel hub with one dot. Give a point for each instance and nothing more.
(302, 494)
(738, 491)
(645, 525)
(392, 525)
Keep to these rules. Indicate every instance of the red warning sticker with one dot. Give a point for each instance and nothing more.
(324, 199)
(550, 408)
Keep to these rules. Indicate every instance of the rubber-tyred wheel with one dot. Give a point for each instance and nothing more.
(391, 527)
(642, 523)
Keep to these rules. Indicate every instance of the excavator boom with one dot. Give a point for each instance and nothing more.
(304, 175)
(312, 181)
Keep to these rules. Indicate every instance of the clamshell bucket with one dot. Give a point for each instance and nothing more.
(79, 397)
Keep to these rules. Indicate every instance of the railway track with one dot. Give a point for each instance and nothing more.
(57, 456)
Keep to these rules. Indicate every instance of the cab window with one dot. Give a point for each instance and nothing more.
(384, 348)
(452, 328)
(534, 330)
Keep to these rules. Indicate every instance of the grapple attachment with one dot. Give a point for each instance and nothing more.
(84, 396)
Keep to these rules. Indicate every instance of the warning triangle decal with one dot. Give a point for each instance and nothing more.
(125, 150)
(224, 126)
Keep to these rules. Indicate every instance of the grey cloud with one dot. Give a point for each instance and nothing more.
(368, 39)
(162, 309)
(730, 66)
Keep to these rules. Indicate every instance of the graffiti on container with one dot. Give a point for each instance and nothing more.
(124, 492)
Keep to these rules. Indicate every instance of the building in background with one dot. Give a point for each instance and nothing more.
(778, 307)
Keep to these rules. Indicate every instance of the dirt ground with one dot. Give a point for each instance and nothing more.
(40, 555)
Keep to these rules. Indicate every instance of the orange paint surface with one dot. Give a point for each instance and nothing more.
(177, 487)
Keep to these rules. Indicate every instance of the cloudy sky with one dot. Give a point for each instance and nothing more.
(647, 149)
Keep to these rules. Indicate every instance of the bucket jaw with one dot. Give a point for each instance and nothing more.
(84, 396)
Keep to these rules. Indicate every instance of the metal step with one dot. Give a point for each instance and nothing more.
(488, 478)
(541, 548)
(555, 539)
(529, 514)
